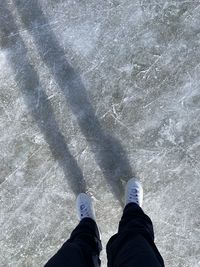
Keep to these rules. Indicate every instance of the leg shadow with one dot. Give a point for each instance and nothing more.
(37, 100)
(109, 153)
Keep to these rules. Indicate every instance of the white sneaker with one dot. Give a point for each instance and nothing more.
(84, 207)
(133, 192)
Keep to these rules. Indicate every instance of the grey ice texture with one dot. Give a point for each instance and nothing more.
(91, 94)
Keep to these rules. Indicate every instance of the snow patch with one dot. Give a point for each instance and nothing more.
(3, 61)
(82, 37)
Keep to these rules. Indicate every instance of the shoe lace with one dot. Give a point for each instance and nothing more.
(84, 210)
(134, 195)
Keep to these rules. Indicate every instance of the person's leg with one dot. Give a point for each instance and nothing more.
(133, 245)
(83, 247)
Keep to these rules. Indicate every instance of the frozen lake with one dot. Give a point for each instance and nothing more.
(91, 94)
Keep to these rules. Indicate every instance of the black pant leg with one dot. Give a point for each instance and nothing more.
(134, 245)
(81, 250)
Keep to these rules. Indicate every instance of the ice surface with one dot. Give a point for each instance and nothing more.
(92, 93)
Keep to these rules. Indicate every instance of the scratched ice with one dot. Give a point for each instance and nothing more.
(92, 93)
